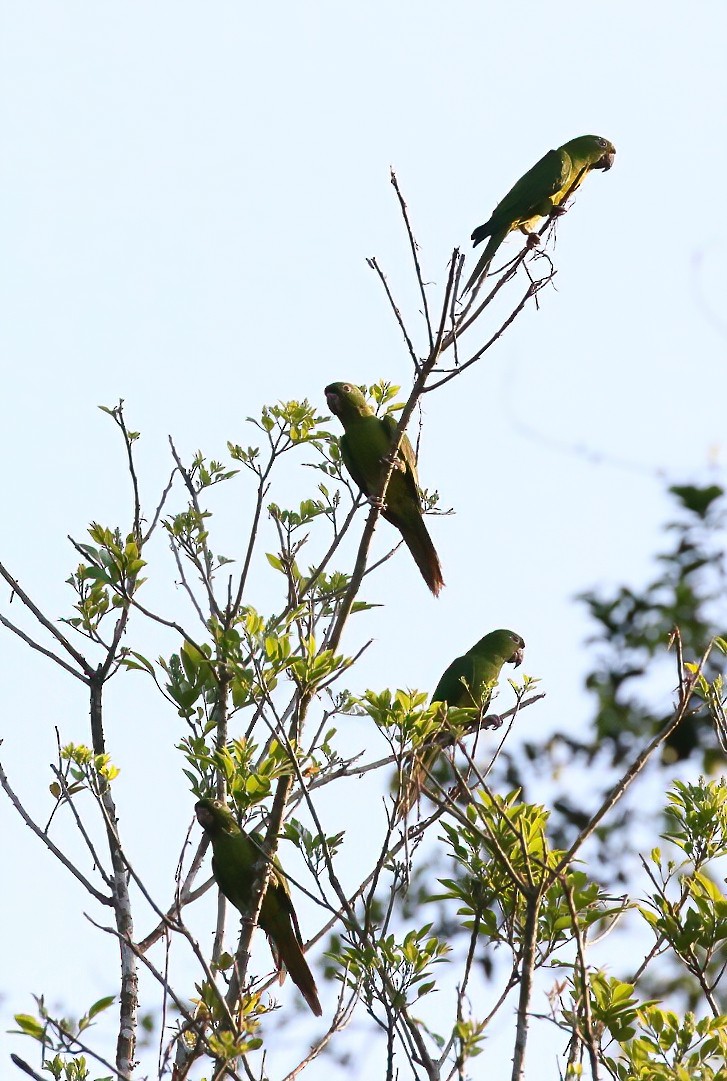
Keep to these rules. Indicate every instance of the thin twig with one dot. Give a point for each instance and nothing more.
(82, 829)
(415, 256)
(619, 789)
(118, 415)
(340, 1020)
(530, 291)
(45, 622)
(160, 507)
(185, 584)
(588, 1036)
(527, 967)
(103, 899)
(178, 1002)
(334, 636)
(41, 649)
(186, 477)
(372, 262)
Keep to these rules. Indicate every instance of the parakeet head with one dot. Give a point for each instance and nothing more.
(505, 644)
(593, 149)
(213, 816)
(346, 400)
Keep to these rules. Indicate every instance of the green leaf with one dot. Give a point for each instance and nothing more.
(101, 1004)
(30, 1026)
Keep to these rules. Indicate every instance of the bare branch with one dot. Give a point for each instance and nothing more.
(100, 897)
(619, 789)
(160, 507)
(415, 256)
(341, 1018)
(82, 829)
(527, 968)
(530, 292)
(118, 416)
(580, 974)
(41, 649)
(372, 262)
(45, 622)
(214, 608)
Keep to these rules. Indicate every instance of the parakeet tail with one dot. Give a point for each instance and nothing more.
(412, 785)
(480, 233)
(419, 543)
(288, 951)
(483, 264)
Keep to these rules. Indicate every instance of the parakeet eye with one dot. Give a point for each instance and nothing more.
(346, 388)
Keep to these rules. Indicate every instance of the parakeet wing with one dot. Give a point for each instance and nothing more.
(349, 460)
(406, 450)
(528, 197)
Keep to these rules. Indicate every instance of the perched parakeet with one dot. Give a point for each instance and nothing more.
(366, 442)
(233, 856)
(538, 191)
(467, 683)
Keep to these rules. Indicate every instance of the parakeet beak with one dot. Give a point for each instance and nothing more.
(517, 657)
(332, 399)
(204, 815)
(606, 161)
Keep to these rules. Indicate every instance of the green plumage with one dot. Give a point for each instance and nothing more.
(536, 193)
(467, 683)
(470, 679)
(366, 442)
(233, 857)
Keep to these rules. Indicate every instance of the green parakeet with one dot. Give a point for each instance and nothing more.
(538, 191)
(467, 683)
(366, 442)
(233, 856)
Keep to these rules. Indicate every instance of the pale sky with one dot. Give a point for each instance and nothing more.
(188, 194)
